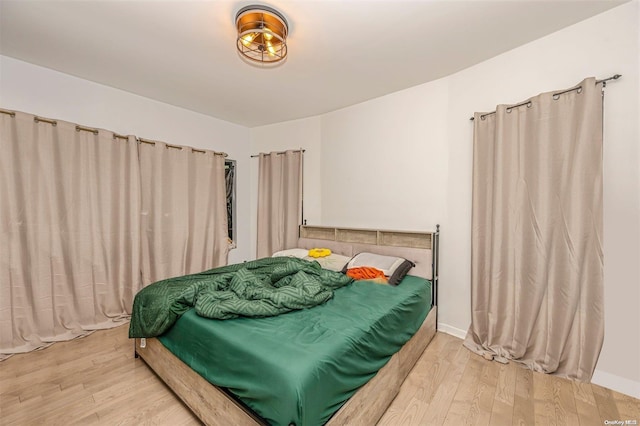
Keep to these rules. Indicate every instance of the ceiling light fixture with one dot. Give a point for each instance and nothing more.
(262, 34)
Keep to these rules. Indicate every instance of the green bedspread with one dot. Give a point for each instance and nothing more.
(300, 367)
(260, 288)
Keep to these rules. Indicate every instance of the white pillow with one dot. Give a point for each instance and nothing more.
(333, 262)
(294, 252)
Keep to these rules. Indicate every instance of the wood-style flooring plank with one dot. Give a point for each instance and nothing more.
(97, 381)
(442, 399)
(606, 404)
(523, 402)
(464, 396)
(407, 412)
(484, 397)
(586, 407)
(628, 407)
(504, 397)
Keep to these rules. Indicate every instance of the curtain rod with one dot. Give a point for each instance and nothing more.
(280, 152)
(151, 142)
(115, 135)
(555, 95)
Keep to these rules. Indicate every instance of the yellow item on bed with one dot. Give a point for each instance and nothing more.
(319, 252)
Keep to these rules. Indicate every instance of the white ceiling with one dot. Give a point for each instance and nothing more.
(340, 52)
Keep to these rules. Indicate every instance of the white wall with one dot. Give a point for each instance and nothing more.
(404, 161)
(384, 162)
(42, 91)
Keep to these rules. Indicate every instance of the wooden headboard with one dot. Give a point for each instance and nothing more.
(422, 248)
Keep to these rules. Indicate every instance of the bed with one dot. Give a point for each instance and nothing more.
(321, 384)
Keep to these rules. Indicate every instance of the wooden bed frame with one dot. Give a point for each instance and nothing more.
(215, 406)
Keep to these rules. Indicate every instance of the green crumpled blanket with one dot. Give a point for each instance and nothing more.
(260, 288)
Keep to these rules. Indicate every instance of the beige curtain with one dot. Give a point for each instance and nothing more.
(184, 216)
(69, 231)
(537, 261)
(279, 201)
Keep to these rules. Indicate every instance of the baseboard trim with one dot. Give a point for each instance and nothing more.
(616, 383)
(457, 332)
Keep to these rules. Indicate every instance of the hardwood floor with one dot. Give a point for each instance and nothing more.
(96, 380)
(451, 386)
